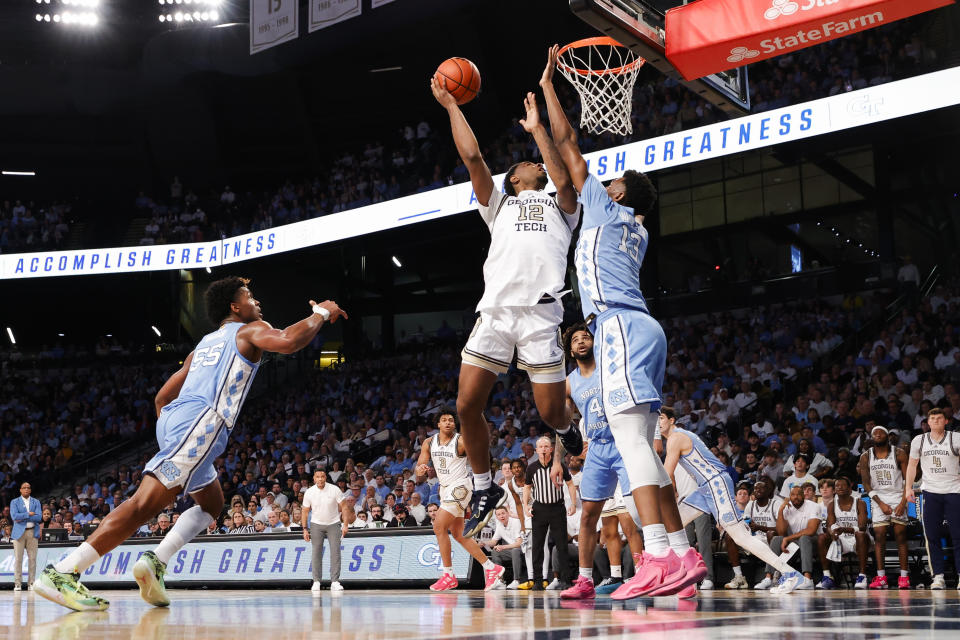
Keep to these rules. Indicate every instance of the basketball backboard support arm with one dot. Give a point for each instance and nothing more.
(639, 26)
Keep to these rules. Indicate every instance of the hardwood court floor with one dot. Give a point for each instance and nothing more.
(502, 615)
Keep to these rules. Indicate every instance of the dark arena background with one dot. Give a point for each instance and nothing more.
(802, 261)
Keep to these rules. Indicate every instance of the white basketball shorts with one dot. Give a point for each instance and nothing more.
(533, 332)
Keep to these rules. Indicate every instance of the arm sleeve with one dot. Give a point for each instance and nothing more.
(489, 212)
(595, 201)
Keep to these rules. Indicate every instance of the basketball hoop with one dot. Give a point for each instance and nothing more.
(603, 71)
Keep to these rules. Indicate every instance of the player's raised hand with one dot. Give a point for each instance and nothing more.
(532, 120)
(441, 94)
(547, 77)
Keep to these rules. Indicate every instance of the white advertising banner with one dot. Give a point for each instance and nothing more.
(324, 13)
(272, 22)
(796, 122)
(224, 559)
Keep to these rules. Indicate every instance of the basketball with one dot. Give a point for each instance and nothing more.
(460, 77)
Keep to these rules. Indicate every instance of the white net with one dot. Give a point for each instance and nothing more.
(603, 73)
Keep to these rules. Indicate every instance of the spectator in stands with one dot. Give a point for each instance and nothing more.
(239, 525)
(798, 522)
(401, 518)
(505, 543)
(802, 462)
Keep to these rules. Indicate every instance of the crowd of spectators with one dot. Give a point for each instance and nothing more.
(753, 384)
(27, 226)
(419, 156)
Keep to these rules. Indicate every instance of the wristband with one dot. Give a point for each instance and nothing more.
(872, 494)
(322, 312)
(656, 432)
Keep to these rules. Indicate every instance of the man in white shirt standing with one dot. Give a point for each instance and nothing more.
(937, 453)
(506, 542)
(325, 515)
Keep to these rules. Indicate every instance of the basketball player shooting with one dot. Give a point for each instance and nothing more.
(520, 309)
(197, 408)
(445, 449)
(630, 349)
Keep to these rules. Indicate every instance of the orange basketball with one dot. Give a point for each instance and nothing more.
(460, 77)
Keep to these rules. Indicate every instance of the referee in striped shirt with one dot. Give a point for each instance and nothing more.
(546, 510)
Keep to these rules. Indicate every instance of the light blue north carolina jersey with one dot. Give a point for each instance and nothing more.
(700, 462)
(609, 253)
(714, 493)
(586, 395)
(219, 376)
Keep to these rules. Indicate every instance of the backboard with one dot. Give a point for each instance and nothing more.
(639, 25)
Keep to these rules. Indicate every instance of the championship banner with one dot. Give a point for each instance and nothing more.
(710, 36)
(223, 559)
(272, 22)
(795, 122)
(324, 13)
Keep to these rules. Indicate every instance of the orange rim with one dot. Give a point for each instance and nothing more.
(597, 41)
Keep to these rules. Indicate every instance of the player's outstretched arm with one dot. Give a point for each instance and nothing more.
(171, 388)
(557, 170)
(295, 337)
(564, 137)
(466, 144)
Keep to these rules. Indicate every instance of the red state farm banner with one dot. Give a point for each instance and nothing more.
(708, 36)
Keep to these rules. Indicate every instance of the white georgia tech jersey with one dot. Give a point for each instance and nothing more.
(451, 468)
(529, 241)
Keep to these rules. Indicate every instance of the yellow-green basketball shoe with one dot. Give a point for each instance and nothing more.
(149, 572)
(65, 589)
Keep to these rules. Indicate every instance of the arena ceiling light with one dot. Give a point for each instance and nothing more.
(396, 261)
(155, 330)
(80, 13)
(188, 12)
(18, 173)
(10, 334)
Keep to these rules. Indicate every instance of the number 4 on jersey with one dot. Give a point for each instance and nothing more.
(595, 407)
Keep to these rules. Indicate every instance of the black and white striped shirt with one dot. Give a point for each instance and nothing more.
(544, 490)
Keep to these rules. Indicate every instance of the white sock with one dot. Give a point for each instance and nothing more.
(448, 571)
(904, 573)
(882, 572)
(679, 541)
(564, 430)
(737, 571)
(655, 540)
(481, 481)
(826, 573)
(616, 571)
(861, 575)
(587, 573)
(79, 560)
(190, 523)
(488, 565)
